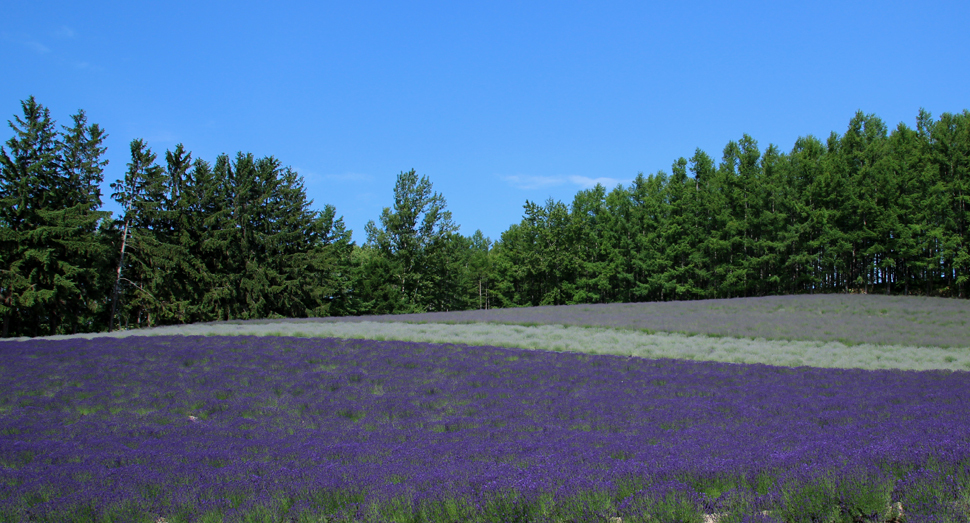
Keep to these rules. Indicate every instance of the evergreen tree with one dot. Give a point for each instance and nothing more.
(182, 229)
(858, 160)
(735, 178)
(48, 248)
(551, 265)
(213, 196)
(681, 269)
(646, 219)
(512, 287)
(933, 211)
(29, 172)
(948, 161)
(959, 167)
(619, 242)
(376, 288)
(594, 273)
(901, 224)
(480, 270)
(800, 172)
(329, 272)
(449, 260)
(770, 225)
(82, 163)
(705, 194)
(144, 255)
(254, 279)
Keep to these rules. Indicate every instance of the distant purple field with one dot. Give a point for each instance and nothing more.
(853, 319)
(323, 426)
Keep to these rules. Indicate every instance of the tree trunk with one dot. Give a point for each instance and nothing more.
(929, 280)
(121, 260)
(906, 281)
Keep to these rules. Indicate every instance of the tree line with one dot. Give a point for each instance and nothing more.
(865, 211)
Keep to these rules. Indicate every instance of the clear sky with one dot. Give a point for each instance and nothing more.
(496, 102)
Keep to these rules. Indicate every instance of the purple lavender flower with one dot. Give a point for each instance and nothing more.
(182, 427)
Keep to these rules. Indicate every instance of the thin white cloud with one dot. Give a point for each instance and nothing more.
(57, 55)
(64, 32)
(539, 182)
(525, 181)
(305, 173)
(37, 47)
(350, 177)
(161, 136)
(587, 183)
(24, 40)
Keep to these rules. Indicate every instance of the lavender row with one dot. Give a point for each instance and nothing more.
(851, 319)
(181, 427)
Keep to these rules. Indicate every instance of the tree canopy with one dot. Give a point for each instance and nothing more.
(869, 210)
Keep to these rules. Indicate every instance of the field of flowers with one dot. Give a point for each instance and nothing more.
(597, 340)
(847, 318)
(245, 428)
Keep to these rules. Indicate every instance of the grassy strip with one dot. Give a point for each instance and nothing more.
(830, 498)
(599, 340)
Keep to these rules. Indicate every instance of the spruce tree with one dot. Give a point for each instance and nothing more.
(181, 230)
(82, 163)
(215, 188)
(328, 269)
(27, 189)
(48, 248)
(144, 255)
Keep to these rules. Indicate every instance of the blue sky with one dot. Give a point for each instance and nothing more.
(496, 102)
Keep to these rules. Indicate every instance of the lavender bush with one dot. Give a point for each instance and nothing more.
(598, 340)
(851, 319)
(292, 429)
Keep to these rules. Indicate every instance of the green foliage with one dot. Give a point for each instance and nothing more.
(50, 255)
(237, 241)
(193, 243)
(867, 211)
(418, 259)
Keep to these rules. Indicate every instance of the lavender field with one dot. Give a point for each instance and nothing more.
(243, 428)
(847, 318)
(598, 340)
(830, 331)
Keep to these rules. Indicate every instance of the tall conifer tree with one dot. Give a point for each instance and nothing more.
(48, 248)
(143, 254)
